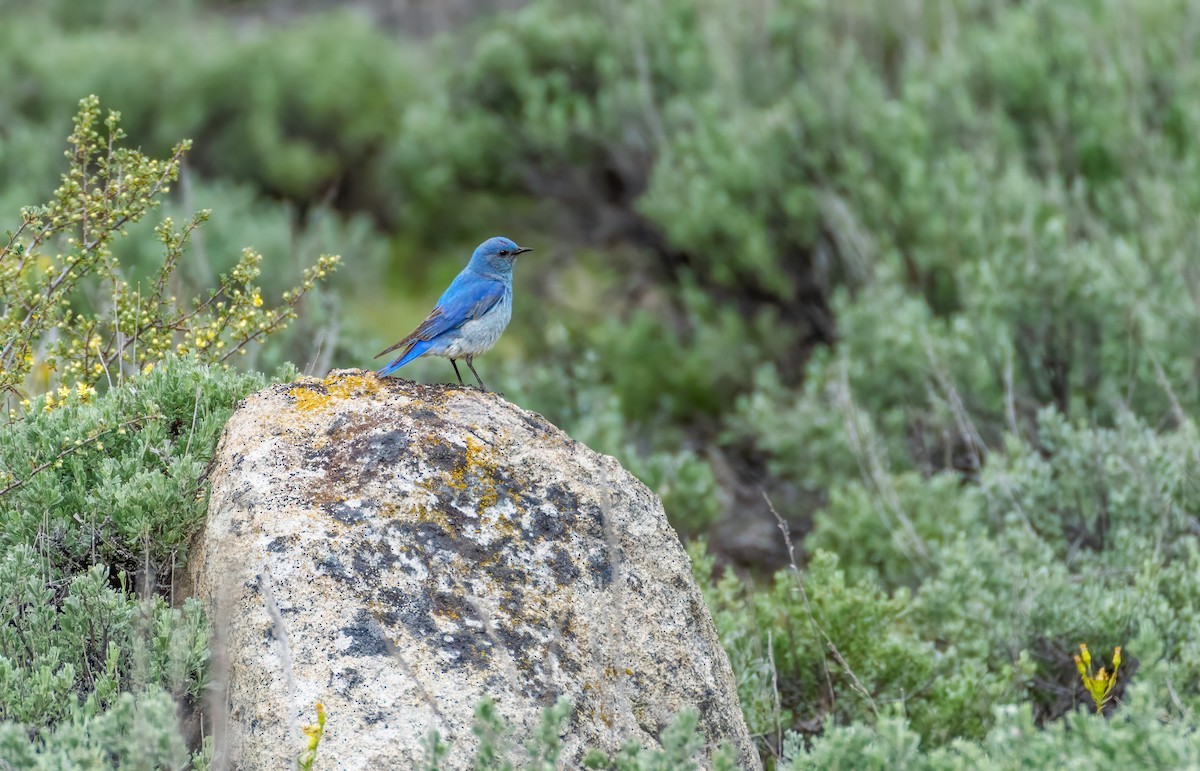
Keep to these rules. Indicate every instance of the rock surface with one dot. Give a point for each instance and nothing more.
(399, 551)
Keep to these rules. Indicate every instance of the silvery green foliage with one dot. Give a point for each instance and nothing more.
(62, 656)
(138, 731)
(1135, 739)
(679, 739)
(964, 601)
(123, 484)
(94, 663)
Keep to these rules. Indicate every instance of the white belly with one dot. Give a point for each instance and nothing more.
(477, 336)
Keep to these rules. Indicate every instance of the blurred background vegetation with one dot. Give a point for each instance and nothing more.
(921, 276)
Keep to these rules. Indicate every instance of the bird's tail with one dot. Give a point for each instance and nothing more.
(414, 351)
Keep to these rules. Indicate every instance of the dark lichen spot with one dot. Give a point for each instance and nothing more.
(451, 605)
(546, 525)
(563, 566)
(277, 544)
(595, 516)
(365, 636)
(562, 498)
(380, 450)
(437, 539)
(506, 574)
(412, 610)
(523, 647)
(446, 457)
(336, 425)
(601, 570)
(364, 566)
(348, 515)
(349, 676)
(331, 566)
(466, 647)
(371, 557)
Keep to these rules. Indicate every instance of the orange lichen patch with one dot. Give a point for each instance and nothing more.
(309, 399)
(317, 395)
(347, 386)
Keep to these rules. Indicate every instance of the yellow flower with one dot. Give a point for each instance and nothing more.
(1100, 685)
(314, 733)
(257, 300)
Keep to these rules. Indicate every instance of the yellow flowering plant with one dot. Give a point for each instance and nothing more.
(48, 339)
(1098, 684)
(314, 733)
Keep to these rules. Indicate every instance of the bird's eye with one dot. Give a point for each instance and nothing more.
(503, 252)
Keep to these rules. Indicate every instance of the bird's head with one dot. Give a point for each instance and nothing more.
(497, 255)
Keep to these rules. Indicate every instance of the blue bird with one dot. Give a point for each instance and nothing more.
(470, 315)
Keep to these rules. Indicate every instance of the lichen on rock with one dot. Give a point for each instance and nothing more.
(399, 551)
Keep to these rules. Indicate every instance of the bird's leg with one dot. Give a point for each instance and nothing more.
(476, 374)
(454, 364)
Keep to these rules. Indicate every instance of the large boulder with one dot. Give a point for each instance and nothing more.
(399, 551)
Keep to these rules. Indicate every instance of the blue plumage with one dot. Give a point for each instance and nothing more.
(471, 314)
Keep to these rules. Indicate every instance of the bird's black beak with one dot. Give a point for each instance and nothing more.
(522, 250)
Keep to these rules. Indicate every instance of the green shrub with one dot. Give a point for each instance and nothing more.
(680, 745)
(1136, 739)
(88, 643)
(981, 598)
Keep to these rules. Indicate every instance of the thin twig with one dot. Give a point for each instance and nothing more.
(818, 632)
(195, 412)
(858, 686)
(876, 476)
(778, 748)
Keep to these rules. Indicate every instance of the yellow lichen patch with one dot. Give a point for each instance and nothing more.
(481, 468)
(431, 515)
(332, 389)
(476, 474)
(505, 526)
(309, 400)
(597, 713)
(347, 386)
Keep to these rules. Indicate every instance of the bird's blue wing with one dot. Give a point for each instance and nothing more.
(468, 297)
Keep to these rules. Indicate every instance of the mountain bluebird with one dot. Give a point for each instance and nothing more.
(470, 316)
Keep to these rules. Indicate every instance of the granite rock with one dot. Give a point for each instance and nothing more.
(399, 551)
